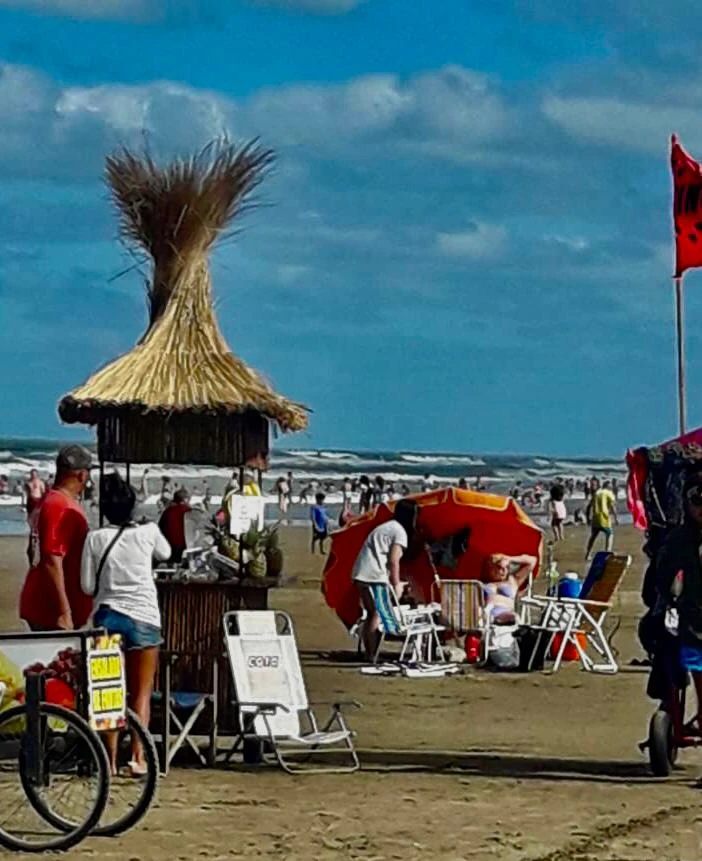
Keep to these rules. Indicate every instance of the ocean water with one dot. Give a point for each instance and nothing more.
(327, 468)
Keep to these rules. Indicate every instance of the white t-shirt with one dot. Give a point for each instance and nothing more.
(371, 566)
(127, 580)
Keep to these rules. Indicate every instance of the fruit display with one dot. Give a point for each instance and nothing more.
(62, 677)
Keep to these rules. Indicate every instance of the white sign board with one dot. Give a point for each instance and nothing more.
(245, 511)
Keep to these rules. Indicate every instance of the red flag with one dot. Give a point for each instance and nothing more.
(687, 208)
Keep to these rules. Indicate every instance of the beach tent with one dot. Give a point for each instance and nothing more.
(181, 395)
(497, 523)
(656, 478)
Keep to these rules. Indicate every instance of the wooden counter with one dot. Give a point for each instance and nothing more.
(191, 619)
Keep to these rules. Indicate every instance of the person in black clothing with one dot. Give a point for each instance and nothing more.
(678, 583)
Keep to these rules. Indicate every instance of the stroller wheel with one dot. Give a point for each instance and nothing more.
(662, 750)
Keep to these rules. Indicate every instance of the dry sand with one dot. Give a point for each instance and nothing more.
(478, 766)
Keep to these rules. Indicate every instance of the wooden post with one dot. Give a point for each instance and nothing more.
(680, 337)
(102, 475)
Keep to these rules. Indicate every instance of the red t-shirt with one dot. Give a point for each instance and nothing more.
(172, 524)
(61, 527)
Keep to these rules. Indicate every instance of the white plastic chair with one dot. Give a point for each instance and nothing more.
(583, 619)
(271, 698)
(416, 626)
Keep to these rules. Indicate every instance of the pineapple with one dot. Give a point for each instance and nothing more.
(257, 566)
(274, 555)
(274, 561)
(255, 544)
(229, 547)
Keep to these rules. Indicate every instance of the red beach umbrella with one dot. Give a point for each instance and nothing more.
(497, 523)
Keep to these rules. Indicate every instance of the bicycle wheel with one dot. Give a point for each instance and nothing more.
(130, 797)
(74, 785)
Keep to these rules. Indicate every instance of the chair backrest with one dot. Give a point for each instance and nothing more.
(387, 607)
(266, 667)
(597, 566)
(463, 605)
(606, 584)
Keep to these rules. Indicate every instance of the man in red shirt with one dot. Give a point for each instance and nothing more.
(51, 597)
(172, 523)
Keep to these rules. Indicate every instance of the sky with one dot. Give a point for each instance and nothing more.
(465, 244)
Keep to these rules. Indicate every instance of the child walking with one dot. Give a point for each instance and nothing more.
(320, 523)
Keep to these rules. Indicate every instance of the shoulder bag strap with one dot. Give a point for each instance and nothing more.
(107, 552)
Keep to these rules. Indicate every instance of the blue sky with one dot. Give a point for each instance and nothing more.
(466, 242)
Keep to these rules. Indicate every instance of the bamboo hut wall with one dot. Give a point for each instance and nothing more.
(184, 438)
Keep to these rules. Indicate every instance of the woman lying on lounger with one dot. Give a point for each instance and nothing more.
(503, 577)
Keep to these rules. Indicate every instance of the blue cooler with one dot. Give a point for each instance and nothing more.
(569, 587)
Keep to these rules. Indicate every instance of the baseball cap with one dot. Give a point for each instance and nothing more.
(74, 457)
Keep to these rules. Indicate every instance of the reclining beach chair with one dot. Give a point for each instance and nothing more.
(415, 626)
(271, 698)
(581, 618)
(465, 610)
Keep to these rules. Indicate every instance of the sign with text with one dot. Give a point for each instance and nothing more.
(107, 686)
(245, 511)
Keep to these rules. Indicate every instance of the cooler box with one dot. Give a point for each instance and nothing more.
(569, 587)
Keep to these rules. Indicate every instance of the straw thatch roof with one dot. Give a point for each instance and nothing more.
(182, 363)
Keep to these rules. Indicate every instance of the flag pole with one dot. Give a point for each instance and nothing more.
(680, 329)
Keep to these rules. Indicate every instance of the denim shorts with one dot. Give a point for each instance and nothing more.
(135, 635)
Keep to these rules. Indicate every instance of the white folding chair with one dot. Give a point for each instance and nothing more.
(416, 626)
(271, 698)
(583, 619)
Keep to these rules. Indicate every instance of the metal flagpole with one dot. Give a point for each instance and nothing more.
(680, 329)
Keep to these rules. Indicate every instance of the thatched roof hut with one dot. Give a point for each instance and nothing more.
(181, 395)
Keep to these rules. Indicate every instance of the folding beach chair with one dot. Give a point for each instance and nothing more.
(585, 617)
(271, 698)
(416, 626)
(465, 609)
(180, 711)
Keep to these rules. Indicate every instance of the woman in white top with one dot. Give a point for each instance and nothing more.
(557, 511)
(117, 571)
(379, 562)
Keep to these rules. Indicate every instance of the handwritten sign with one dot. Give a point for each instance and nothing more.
(107, 687)
(245, 511)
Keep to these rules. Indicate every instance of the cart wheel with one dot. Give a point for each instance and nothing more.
(662, 751)
(71, 787)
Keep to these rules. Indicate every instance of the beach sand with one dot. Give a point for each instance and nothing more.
(478, 766)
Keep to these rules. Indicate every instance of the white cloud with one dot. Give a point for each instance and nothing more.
(322, 7)
(481, 242)
(105, 9)
(640, 126)
(49, 129)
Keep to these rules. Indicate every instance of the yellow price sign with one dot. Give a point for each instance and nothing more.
(107, 691)
(107, 700)
(106, 668)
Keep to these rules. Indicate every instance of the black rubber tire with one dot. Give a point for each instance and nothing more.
(75, 832)
(661, 751)
(106, 828)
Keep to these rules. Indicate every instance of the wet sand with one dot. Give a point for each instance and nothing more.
(478, 766)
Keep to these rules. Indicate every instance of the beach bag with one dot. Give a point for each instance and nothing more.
(529, 641)
(503, 651)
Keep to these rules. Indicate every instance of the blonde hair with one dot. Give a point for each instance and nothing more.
(491, 562)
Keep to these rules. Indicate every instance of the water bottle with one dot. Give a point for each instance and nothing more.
(553, 578)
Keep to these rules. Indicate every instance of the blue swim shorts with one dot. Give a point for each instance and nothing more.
(691, 658)
(135, 635)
